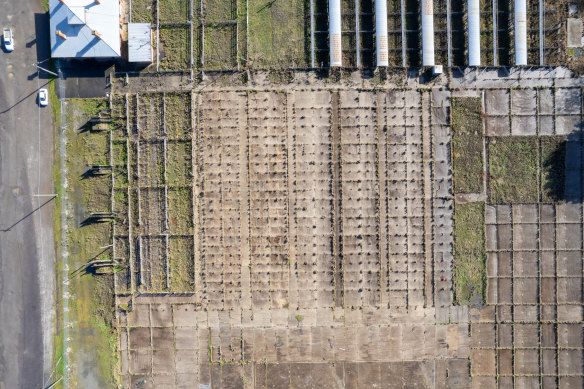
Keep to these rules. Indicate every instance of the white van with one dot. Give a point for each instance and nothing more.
(8, 43)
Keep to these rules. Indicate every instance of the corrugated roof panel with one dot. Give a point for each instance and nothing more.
(139, 42)
(87, 29)
(74, 16)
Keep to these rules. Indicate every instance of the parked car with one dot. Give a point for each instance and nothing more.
(7, 37)
(43, 97)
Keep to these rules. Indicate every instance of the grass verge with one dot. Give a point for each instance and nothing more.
(93, 338)
(467, 145)
(513, 170)
(469, 253)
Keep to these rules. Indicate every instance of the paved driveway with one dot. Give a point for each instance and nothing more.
(27, 251)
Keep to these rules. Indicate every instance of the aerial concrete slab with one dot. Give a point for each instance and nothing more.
(568, 125)
(497, 126)
(497, 102)
(574, 36)
(546, 125)
(523, 102)
(523, 125)
(568, 101)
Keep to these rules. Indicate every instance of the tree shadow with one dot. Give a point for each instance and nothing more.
(554, 172)
(98, 218)
(96, 171)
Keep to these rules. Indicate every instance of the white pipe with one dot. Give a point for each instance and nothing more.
(336, 52)
(428, 33)
(381, 32)
(520, 32)
(474, 33)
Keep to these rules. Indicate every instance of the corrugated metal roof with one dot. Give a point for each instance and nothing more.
(139, 42)
(80, 21)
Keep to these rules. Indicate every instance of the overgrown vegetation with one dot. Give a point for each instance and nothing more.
(469, 253)
(180, 211)
(513, 169)
(175, 48)
(178, 115)
(174, 11)
(181, 252)
(220, 47)
(143, 11)
(179, 166)
(467, 145)
(219, 10)
(276, 36)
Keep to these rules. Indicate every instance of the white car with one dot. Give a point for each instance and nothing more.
(43, 97)
(8, 42)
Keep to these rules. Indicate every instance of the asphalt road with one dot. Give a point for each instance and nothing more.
(27, 251)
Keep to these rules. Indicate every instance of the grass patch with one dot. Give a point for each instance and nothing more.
(120, 157)
(180, 211)
(175, 48)
(467, 145)
(178, 115)
(276, 36)
(173, 11)
(121, 204)
(182, 271)
(513, 163)
(469, 253)
(179, 164)
(219, 10)
(553, 162)
(143, 11)
(119, 117)
(220, 47)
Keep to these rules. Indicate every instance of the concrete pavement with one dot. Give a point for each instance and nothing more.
(27, 251)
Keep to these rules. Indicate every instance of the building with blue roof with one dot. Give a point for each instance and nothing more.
(85, 28)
